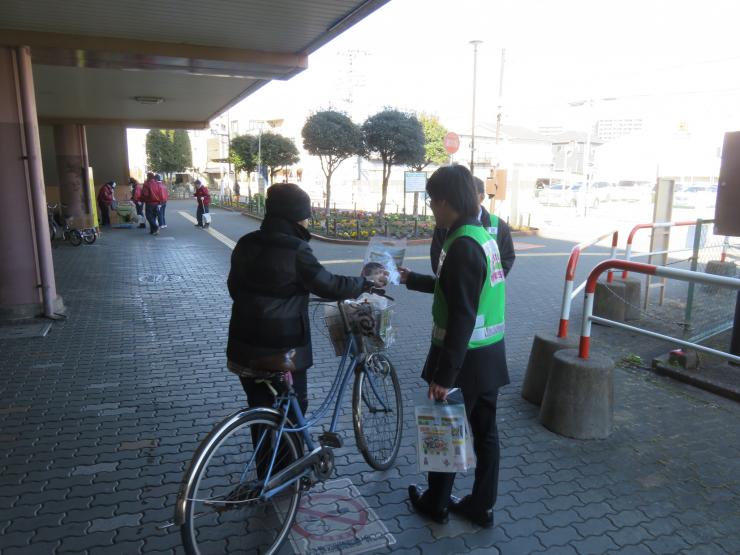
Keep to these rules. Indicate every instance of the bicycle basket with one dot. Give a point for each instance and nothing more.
(369, 321)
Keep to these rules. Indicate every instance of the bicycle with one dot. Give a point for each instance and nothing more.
(73, 235)
(243, 487)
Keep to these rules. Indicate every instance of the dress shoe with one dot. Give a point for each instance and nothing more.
(464, 507)
(422, 507)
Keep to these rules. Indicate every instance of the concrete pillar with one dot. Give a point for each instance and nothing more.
(72, 164)
(107, 148)
(27, 286)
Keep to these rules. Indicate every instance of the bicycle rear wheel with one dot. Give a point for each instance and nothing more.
(377, 411)
(90, 237)
(220, 492)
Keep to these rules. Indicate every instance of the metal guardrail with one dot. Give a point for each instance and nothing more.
(650, 270)
(569, 292)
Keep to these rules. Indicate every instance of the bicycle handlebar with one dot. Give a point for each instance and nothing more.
(373, 290)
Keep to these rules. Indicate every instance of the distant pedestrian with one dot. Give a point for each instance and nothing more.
(467, 349)
(496, 227)
(136, 199)
(165, 195)
(151, 194)
(105, 201)
(203, 197)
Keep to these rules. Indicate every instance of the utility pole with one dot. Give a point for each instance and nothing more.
(475, 44)
(500, 103)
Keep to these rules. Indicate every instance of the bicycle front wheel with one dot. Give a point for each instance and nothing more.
(377, 411)
(75, 237)
(223, 512)
(90, 237)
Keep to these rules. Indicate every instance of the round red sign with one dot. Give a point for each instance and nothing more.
(452, 142)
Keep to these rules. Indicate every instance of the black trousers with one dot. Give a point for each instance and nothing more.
(104, 210)
(481, 410)
(259, 395)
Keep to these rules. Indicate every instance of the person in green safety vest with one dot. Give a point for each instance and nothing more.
(497, 227)
(467, 349)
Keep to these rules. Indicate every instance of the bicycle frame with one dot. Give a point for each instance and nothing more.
(288, 402)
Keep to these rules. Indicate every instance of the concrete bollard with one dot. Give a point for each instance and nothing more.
(608, 300)
(719, 268)
(632, 290)
(579, 398)
(544, 346)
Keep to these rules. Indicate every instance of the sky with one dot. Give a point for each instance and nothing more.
(672, 60)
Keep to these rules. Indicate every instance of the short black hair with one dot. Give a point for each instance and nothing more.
(454, 184)
(371, 267)
(480, 187)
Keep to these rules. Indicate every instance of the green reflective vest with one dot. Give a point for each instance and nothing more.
(489, 322)
(493, 230)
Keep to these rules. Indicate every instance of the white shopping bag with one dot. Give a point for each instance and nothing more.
(444, 442)
(206, 218)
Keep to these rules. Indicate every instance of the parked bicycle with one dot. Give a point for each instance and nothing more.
(59, 228)
(242, 490)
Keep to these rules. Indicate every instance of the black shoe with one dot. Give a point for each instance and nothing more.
(422, 507)
(198, 225)
(464, 507)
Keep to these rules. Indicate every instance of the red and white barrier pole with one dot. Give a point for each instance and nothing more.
(570, 276)
(584, 346)
(654, 225)
(725, 246)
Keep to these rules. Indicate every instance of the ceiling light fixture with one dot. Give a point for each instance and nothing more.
(149, 99)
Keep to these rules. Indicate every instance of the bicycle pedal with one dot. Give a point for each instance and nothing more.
(331, 439)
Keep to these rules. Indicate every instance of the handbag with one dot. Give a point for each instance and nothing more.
(444, 442)
(206, 218)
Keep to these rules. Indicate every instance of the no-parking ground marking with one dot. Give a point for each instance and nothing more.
(336, 519)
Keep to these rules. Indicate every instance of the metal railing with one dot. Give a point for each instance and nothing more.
(569, 292)
(650, 270)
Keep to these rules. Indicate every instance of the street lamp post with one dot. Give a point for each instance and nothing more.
(475, 44)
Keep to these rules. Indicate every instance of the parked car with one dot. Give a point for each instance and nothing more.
(698, 195)
(632, 191)
(601, 191)
(558, 194)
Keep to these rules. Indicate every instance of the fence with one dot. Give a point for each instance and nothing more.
(652, 270)
(569, 293)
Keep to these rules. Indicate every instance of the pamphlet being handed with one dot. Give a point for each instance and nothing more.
(384, 255)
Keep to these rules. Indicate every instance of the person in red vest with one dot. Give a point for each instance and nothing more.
(105, 201)
(136, 199)
(165, 195)
(151, 194)
(204, 200)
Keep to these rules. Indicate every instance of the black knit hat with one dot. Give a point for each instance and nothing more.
(288, 201)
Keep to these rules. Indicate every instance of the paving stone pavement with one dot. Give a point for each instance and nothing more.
(100, 418)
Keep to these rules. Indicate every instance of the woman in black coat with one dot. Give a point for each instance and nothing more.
(478, 371)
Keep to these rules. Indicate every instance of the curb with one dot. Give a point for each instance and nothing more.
(519, 233)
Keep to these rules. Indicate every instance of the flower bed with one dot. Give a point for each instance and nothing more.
(350, 224)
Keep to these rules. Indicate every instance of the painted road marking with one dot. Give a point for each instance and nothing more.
(215, 234)
(231, 244)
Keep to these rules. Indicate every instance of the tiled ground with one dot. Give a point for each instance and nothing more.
(100, 417)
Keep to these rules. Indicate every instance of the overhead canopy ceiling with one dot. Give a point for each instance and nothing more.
(169, 63)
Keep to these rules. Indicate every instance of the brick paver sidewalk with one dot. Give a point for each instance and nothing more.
(101, 416)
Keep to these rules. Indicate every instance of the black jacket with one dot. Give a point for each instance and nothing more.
(503, 240)
(273, 270)
(461, 280)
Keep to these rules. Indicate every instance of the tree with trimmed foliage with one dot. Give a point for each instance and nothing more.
(333, 137)
(168, 151)
(278, 152)
(397, 138)
(243, 155)
(434, 148)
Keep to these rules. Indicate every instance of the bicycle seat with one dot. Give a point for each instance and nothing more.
(278, 363)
